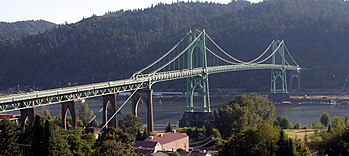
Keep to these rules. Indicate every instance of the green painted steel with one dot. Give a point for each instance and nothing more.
(15, 102)
(197, 78)
(278, 58)
(199, 81)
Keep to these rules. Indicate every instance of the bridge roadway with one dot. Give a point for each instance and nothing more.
(15, 102)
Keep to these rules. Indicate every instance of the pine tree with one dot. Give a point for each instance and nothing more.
(285, 145)
(130, 124)
(47, 138)
(75, 144)
(54, 143)
(8, 138)
(38, 134)
(325, 119)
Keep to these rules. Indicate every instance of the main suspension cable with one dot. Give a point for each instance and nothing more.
(288, 52)
(180, 54)
(234, 63)
(158, 60)
(235, 59)
(282, 42)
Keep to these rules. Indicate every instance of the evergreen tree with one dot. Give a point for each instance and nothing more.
(114, 137)
(54, 143)
(334, 143)
(325, 119)
(38, 135)
(130, 124)
(25, 138)
(285, 145)
(168, 128)
(338, 124)
(89, 138)
(76, 145)
(300, 149)
(8, 138)
(111, 147)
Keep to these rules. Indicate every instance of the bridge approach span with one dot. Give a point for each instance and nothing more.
(34, 99)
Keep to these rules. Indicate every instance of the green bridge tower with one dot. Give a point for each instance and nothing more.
(194, 116)
(278, 58)
(200, 82)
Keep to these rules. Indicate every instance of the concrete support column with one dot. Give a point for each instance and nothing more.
(147, 96)
(109, 100)
(295, 76)
(26, 113)
(71, 106)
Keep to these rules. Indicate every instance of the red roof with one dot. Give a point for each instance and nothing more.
(144, 147)
(8, 116)
(167, 137)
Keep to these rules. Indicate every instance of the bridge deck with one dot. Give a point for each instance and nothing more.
(53, 96)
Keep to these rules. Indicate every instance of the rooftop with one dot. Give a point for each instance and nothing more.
(167, 137)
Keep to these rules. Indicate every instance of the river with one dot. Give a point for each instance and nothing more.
(170, 110)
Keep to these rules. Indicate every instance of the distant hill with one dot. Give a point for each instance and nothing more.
(117, 44)
(24, 28)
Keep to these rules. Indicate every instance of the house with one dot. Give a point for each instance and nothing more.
(163, 142)
(195, 153)
(146, 147)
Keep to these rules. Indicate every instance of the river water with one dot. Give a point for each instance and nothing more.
(170, 110)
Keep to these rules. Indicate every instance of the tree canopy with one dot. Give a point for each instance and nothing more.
(8, 138)
(243, 112)
(266, 140)
(325, 119)
(130, 124)
(114, 142)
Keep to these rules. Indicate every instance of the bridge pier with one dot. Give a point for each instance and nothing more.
(109, 100)
(147, 96)
(71, 106)
(295, 75)
(26, 113)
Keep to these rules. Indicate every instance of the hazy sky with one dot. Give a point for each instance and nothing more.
(59, 11)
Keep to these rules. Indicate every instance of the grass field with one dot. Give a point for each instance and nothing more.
(299, 133)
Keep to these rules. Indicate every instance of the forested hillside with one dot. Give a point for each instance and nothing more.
(24, 28)
(117, 44)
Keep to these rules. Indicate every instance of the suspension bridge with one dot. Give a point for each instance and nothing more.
(194, 58)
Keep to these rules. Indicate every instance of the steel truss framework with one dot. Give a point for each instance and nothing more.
(196, 77)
